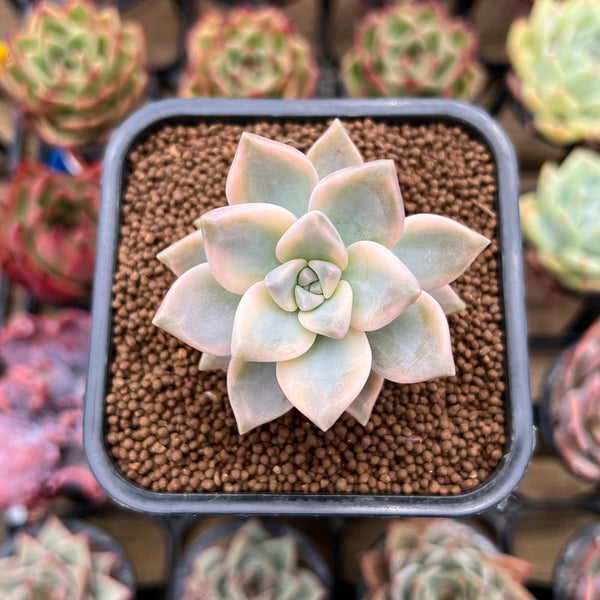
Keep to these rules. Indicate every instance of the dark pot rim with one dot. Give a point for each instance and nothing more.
(520, 440)
(308, 554)
(100, 541)
(568, 559)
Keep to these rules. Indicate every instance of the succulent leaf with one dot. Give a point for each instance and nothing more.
(334, 150)
(328, 275)
(254, 393)
(240, 242)
(264, 170)
(448, 299)
(184, 253)
(324, 381)
(312, 237)
(362, 406)
(382, 286)
(363, 202)
(282, 281)
(210, 362)
(555, 62)
(248, 53)
(331, 318)
(415, 346)
(263, 332)
(412, 49)
(76, 71)
(199, 312)
(437, 249)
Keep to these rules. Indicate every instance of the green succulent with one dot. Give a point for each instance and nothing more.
(254, 565)
(248, 53)
(554, 53)
(561, 219)
(76, 70)
(315, 283)
(57, 564)
(412, 49)
(441, 559)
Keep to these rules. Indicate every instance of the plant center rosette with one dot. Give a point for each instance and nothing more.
(311, 287)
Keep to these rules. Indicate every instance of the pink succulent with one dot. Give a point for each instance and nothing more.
(48, 231)
(315, 283)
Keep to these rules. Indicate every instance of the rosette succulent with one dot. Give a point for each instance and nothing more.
(48, 223)
(441, 559)
(253, 565)
(561, 220)
(59, 564)
(248, 53)
(554, 54)
(412, 49)
(575, 406)
(577, 574)
(76, 70)
(315, 283)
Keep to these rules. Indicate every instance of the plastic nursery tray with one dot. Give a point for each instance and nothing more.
(520, 438)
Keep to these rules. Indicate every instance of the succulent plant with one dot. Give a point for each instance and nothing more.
(48, 226)
(575, 406)
(248, 53)
(75, 70)
(59, 564)
(441, 559)
(554, 56)
(41, 410)
(577, 573)
(253, 565)
(412, 49)
(561, 220)
(315, 283)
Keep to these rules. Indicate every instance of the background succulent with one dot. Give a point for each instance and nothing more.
(75, 70)
(248, 53)
(253, 565)
(561, 219)
(315, 283)
(554, 54)
(575, 406)
(44, 362)
(440, 559)
(48, 231)
(577, 572)
(59, 564)
(412, 49)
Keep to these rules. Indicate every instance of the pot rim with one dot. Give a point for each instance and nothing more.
(520, 438)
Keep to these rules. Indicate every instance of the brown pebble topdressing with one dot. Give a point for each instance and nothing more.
(170, 428)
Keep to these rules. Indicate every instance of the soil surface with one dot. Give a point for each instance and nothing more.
(170, 428)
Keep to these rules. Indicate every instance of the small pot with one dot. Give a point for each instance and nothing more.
(567, 574)
(308, 556)
(519, 428)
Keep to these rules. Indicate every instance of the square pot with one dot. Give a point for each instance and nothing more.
(516, 453)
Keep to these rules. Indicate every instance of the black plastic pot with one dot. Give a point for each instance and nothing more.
(567, 574)
(520, 436)
(100, 541)
(308, 556)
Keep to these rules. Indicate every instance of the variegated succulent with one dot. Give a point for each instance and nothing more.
(575, 406)
(554, 54)
(561, 220)
(253, 565)
(76, 70)
(441, 559)
(48, 223)
(248, 53)
(413, 49)
(315, 283)
(59, 564)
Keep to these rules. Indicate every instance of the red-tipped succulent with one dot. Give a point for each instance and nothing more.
(575, 407)
(48, 226)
